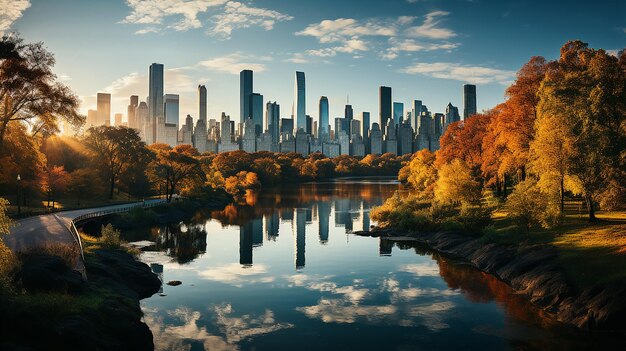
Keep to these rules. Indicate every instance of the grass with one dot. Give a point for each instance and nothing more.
(589, 253)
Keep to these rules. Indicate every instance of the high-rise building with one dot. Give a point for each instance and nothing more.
(375, 142)
(92, 119)
(172, 108)
(131, 112)
(348, 113)
(143, 121)
(469, 100)
(286, 126)
(398, 113)
(104, 109)
(202, 101)
(416, 112)
(245, 91)
(365, 122)
(309, 125)
(155, 97)
(257, 112)
(384, 107)
(341, 125)
(272, 110)
(118, 119)
(299, 103)
(324, 126)
(452, 115)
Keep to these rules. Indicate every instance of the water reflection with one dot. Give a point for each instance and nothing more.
(283, 289)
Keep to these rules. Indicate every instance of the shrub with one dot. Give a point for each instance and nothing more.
(532, 208)
(109, 237)
(8, 266)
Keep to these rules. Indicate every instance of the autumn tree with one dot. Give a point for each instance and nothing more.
(54, 181)
(464, 140)
(422, 173)
(456, 184)
(173, 167)
(584, 97)
(531, 208)
(29, 91)
(114, 149)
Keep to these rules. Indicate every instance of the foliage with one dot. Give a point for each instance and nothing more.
(29, 91)
(421, 172)
(109, 237)
(456, 184)
(5, 221)
(531, 208)
(175, 168)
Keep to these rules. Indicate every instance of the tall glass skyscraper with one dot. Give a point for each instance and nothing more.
(398, 112)
(155, 97)
(171, 108)
(245, 91)
(384, 105)
(104, 109)
(469, 100)
(324, 126)
(416, 112)
(257, 112)
(299, 101)
(272, 120)
(365, 122)
(202, 100)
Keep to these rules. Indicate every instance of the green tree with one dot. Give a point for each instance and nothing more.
(174, 167)
(456, 184)
(114, 150)
(532, 208)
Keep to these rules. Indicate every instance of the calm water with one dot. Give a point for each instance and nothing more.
(282, 271)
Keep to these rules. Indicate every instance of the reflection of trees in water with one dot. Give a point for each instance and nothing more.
(183, 242)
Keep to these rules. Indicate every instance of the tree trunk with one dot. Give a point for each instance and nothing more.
(592, 213)
(112, 187)
(504, 186)
(498, 187)
(562, 194)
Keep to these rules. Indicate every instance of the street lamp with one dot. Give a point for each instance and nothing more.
(19, 208)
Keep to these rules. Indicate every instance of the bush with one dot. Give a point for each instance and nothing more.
(531, 208)
(8, 266)
(68, 253)
(109, 237)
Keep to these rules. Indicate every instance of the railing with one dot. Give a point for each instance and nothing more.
(105, 212)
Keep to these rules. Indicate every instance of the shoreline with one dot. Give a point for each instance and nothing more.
(530, 270)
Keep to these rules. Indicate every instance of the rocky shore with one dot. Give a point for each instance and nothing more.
(531, 270)
(57, 310)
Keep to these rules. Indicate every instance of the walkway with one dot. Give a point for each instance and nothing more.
(59, 227)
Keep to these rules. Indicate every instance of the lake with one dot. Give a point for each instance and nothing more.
(282, 271)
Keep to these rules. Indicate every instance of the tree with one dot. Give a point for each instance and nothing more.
(456, 184)
(5, 221)
(267, 169)
(464, 140)
(114, 149)
(55, 180)
(174, 167)
(584, 96)
(422, 173)
(530, 207)
(29, 92)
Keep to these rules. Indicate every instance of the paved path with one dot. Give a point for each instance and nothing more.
(56, 227)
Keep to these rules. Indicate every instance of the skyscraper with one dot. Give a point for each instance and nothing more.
(272, 120)
(324, 126)
(384, 106)
(131, 112)
(398, 113)
(104, 109)
(416, 112)
(299, 101)
(245, 91)
(469, 100)
(257, 112)
(348, 113)
(171, 108)
(202, 100)
(155, 97)
(365, 122)
(452, 115)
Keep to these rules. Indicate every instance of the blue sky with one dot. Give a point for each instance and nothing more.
(423, 49)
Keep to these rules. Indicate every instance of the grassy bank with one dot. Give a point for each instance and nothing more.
(589, 253)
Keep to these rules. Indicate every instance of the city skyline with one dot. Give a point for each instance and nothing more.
(346, 52)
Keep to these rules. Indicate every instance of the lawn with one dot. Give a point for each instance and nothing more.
(589, 253)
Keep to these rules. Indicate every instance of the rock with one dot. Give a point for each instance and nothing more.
(44, 273)
(174, 283)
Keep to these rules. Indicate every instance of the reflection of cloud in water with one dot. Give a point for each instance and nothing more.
(234, 329)
(353, 307)
(427, 269)
(236, 274)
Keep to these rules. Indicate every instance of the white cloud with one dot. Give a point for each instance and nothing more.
(464, 73)
(430, 28)
(233, 64)
(236, 274)
(297, 58)
(427, 269)
(11, 11)
(183, 15)
(342, 29)
(237, 15)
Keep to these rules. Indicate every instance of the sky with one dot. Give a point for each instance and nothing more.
(423, 49)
